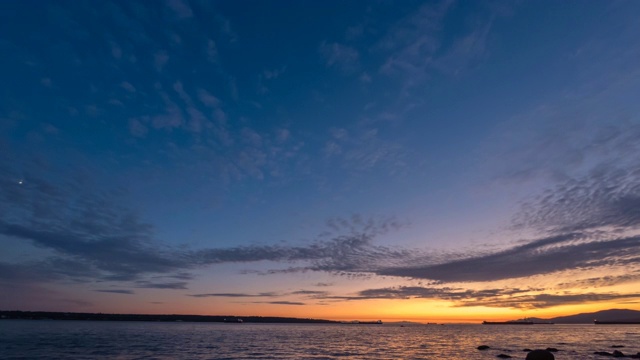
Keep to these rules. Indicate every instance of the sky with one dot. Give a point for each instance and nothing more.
(398, 160)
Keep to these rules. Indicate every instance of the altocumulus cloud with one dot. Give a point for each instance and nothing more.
(94, 239)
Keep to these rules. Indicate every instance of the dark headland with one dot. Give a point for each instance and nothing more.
(47, 315)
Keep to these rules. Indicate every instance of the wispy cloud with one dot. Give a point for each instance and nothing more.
(342, 56)
(542, 256)
(527, 298)
(116, 291)
(180, 8)
(416, 48)
(606, 197)
(541, 301)
(160, 59)
(419, 292)
(363, 149)
(413, 41)
(235, 295)
(176, 285)
(295, 303)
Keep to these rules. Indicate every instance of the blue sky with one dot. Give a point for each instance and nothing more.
(261, 156)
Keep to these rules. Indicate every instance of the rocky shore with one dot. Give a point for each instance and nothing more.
(547, 354)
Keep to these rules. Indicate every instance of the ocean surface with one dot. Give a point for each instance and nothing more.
(41, 339)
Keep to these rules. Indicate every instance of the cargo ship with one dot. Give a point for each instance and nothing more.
(616, 322)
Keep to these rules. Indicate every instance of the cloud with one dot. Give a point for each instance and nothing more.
(363, 149)
(235, 295)
(137, 129)
(176, 285)
(542, 301)
(264, 295)
(606, 197)
(353, 252)
(96, 240)
(123, 253)
(127, 86)
(116, 291)
(309, 292)
(497, 297)
(160, 59)
(282, 303)
(541, 256)
(171, 119)
(413, 41)
(416, 48)
(465, 51)
(418, 292)
(342, 56)
(88, 234)
(212, 52)
(180, 8)
(575, 134)
(597, 282)
(207, 99)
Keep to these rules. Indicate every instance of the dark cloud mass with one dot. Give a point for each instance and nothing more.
(116, 291)
(284, 303)
(177, 285)
(541, 256)
(235, 295)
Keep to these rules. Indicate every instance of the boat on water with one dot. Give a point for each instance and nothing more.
(525, 321)
(233, 320)
(616, 322)
(516, 323)
(357, 322)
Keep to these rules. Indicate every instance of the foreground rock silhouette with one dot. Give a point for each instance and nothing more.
(540, 355)
(617, 354)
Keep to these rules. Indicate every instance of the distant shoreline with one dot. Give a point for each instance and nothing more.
(50, 315)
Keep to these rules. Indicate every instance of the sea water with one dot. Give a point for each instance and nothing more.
(41, 339)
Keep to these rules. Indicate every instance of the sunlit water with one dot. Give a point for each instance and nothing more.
(25, 339)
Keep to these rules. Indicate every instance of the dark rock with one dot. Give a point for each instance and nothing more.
(483, 347)
(617, 353)
(636, 356)
(552, 349)
(527, 350)
(540, 355)
(617, 346)
(603, 353)
(504, 356)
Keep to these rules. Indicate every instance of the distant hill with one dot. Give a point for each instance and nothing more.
(587, 318)
(604, 315)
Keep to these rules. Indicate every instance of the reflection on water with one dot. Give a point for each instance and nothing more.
(23, 339)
